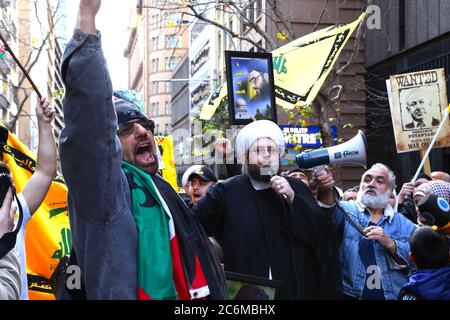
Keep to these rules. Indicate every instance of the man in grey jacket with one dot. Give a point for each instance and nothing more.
(105, 228)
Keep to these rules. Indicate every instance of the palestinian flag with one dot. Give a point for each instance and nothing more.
(161, 264)
(2, 50)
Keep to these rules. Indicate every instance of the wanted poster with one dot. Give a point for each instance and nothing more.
(418, 102)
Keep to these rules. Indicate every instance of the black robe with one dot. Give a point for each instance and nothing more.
(253, 230)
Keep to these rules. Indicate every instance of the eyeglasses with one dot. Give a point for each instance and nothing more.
(127, 128)
(262, 150)
(252, 79)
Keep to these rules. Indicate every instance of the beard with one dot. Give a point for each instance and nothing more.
(263, 173)
(378, 201)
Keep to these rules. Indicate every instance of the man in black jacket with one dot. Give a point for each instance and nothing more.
(270, 226)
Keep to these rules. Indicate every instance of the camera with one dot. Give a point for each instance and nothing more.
(5, 184)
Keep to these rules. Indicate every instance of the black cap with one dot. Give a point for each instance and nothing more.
(204, 173)
(126, 111)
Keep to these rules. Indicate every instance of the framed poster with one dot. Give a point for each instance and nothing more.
(246, 287)
(251, 87)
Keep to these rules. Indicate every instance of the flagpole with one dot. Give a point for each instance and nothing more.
(444, 121)
(21, 67)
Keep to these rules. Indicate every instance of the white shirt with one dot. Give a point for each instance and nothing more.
(20, 246)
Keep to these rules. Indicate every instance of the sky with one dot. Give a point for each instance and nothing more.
(112, 20)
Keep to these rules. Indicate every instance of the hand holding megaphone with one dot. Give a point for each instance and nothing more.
(323, 179)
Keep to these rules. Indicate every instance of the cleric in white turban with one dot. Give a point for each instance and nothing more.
(268, 225)
(256, 130)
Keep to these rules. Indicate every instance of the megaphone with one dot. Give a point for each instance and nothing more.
(354, 151)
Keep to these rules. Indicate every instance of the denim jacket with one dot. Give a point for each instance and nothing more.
(103, 230)
(396, 226)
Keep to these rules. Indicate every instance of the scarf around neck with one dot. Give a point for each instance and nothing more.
(156, 277)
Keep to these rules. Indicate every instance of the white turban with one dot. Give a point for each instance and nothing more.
(256, 130)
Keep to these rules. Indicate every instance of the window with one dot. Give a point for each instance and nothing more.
(155, 43)
(154, 109)
(172, 63)
(168, 87)
(219, 42)
(172, 41)
(155, 63)
(173, 19)
(157, 108)
(154, 87)
(166, 107)
(258, 8)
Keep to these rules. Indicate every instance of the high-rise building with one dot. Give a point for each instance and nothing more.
(8, 69)
(157, 43)
(411, 36)
(40, 53)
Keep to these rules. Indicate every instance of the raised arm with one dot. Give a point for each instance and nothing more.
(89, 148)
(86, 15)
(36, 188)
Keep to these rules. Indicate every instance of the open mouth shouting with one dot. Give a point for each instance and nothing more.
(144, 154)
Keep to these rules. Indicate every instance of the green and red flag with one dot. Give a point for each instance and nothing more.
(2, 50)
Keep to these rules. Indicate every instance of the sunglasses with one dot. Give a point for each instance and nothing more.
(127, 128)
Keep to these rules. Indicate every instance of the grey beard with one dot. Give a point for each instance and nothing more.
(374, 202)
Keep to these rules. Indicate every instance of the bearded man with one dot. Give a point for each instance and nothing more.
(269, 226)
(133, 236)
(374, 266)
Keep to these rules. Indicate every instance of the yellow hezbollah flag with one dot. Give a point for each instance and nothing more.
(48, 236)
(300, 67)
(213, 102)
(169, 173)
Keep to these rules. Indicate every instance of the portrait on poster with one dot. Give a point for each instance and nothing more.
(418, 102)
(247, 287)
(420, 107)
(250, 90)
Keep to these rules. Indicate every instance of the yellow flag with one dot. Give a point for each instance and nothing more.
(300, 67)
(48, 236)
(169, 173)
(213, 101)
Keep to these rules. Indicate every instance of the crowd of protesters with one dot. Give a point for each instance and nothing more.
(136, 238)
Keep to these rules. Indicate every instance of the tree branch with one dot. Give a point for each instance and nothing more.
(321, 15)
